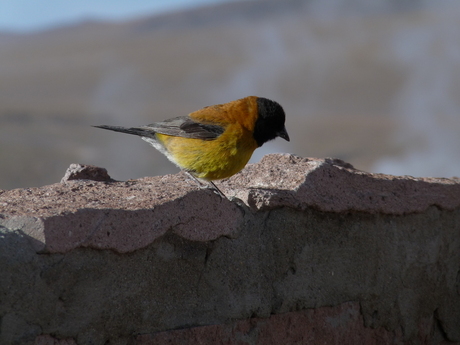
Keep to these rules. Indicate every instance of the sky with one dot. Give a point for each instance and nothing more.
(32, 15)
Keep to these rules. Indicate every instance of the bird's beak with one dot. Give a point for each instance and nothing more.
(283, 134)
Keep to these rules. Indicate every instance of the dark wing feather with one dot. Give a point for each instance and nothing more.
(186, 127)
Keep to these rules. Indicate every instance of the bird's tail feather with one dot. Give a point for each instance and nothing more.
(135, 131)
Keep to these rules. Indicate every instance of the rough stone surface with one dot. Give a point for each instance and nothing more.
(123, 216)
(332, 185)
(314, 251)
(86, 172)
(341, 325)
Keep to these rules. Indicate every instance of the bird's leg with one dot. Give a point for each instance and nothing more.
(210, 182)
(218, 190)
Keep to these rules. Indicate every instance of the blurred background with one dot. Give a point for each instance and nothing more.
(373, 82)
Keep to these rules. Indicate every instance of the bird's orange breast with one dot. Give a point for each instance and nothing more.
(242, 112)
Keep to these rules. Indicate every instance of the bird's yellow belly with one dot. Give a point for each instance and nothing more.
(212, 159)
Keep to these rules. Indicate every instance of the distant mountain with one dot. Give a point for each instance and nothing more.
(232, 13)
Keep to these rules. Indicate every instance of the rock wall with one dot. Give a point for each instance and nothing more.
(304, 251)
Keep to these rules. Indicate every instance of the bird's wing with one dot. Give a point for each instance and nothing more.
(186, 127)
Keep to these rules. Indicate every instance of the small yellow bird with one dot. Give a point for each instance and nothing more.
(215, 142)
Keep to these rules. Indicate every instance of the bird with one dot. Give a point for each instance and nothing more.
(217, 141)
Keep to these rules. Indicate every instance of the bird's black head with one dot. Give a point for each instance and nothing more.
(270, 122)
